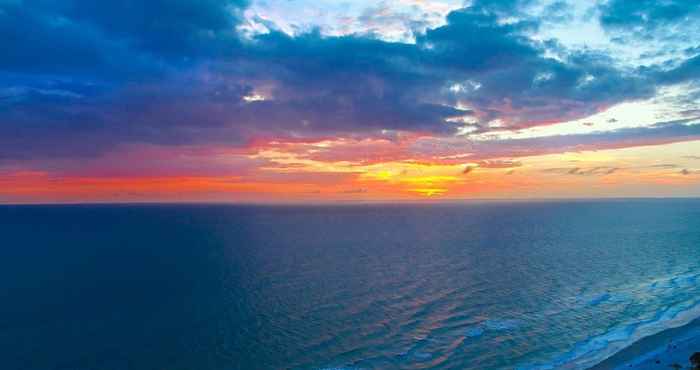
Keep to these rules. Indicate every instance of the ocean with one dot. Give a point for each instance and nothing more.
(472, 285)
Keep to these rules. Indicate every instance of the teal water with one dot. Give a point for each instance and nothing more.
(493, 285)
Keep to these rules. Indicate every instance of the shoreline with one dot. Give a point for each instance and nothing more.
(658, 351)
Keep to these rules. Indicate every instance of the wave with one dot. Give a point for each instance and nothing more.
(496, 325)
(594, 350)
(599, 299)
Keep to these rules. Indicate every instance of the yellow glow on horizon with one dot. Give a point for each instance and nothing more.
(430, 192)
(288, 174)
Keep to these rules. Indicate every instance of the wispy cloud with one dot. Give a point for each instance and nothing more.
(593, 171)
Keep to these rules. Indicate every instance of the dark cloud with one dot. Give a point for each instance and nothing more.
(171, 27)
(37, 41)
(670, 23)
(517, 83)
(645, 17)
(689, 70)
(83, 35)
(114, 41)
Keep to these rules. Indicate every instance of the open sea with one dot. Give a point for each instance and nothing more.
(477, 285)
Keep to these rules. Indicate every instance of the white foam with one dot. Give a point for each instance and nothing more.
(592, 351)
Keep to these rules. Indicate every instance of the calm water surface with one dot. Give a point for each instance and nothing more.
(463, 286)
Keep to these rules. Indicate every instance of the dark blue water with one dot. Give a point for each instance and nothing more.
(468, 286)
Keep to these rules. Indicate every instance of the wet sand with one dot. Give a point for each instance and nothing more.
(660, 351)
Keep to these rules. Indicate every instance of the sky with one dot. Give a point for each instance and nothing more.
(328, 100)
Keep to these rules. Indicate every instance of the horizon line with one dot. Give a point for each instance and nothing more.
(351, 201)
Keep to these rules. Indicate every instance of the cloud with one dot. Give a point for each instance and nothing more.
(646, 17)
(687, 172)
(664, 165)
(497, 163)
(90, 38)
(480, 153)
(660, 133)
(354, 191)
(557, 12)
(84, 79)
(166, 27)
(592, 171)
(688, 70)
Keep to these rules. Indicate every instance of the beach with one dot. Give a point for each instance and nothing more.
(660, 351)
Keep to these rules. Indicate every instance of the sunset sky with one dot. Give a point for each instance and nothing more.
(324, 100)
